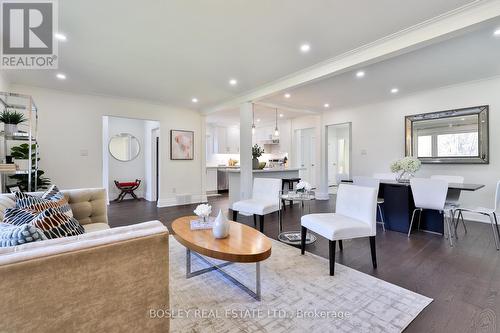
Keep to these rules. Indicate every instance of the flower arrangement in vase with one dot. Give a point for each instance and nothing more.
(303, 187)
(203, 211)
(257, 152)
(406, 167)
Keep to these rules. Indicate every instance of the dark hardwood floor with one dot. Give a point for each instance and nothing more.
(464, 281)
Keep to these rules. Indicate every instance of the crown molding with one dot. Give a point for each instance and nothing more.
(433, 30)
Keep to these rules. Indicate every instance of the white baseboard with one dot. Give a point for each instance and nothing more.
(182, 199)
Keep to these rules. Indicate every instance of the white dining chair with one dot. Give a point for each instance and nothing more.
(354, 217)
(431, 194)
(491, 213)
(373, 183)
(453, 198)
(265, 200)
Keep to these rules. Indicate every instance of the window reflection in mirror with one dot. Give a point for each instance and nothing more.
(447, 137)
(454, 136)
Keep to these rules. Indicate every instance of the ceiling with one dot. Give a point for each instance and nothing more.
(172, 51)
(263, 114)
(472, 56)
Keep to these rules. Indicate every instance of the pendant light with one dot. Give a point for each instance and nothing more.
(253, 119)
(276, 131)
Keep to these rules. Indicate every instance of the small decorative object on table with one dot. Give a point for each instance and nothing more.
(303, 188)
(406, 167)
(203, 211)
(257, 152)
(220, 228)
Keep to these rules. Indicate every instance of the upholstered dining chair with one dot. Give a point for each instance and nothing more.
(491, 213)
(453, 197)
(373, 183)
(354, 217)
(431, 194)
(265, 200)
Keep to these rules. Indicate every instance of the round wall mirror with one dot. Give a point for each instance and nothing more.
(124, 147)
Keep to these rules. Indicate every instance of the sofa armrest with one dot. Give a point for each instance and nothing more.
(105, 288)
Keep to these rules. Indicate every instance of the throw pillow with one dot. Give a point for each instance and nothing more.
(53, 198)
(54, 223)
(17, 216)
(12, 235)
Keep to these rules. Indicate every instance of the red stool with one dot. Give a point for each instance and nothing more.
(127, 188)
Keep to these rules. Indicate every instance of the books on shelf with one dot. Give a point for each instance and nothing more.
(7, 167)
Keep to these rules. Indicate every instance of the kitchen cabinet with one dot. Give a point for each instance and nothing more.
(227, 140)
(211, 180)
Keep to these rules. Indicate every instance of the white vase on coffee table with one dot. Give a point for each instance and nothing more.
(220, 228)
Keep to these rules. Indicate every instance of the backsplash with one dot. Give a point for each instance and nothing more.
(222, 159)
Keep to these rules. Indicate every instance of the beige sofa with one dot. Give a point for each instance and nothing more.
(106, 280)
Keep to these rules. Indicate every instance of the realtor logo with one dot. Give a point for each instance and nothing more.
(28, 34)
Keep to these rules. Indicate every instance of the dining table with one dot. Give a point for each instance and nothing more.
(398, 206)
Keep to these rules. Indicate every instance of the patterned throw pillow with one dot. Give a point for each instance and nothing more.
(18, 216)
(12, 235)
(53, 198)
(54, 223)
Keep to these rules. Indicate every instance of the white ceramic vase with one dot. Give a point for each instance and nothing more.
(220, 227)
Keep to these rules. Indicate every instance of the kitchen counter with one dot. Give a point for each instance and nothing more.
(237, 170)
(235, 179)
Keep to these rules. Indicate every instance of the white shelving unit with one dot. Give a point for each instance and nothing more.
(27, 133)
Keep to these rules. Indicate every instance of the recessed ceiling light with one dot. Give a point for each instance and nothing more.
(497, 33)
(194, 100)
(258, 119)
(394, 90)
(61, 76)
(360, 74)
(60, 36)
(304, 48)
(233, 82)
(281, 115)
(326, 105)
(287, 95)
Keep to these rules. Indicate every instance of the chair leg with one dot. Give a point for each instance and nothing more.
(303, 233)
(495, 230)
(461, 216)
(341, 246)
(381, 216)
(255, 221)
(411, 223)
(448, 225)
(261, 218)
(419, 218)
(373, 251)
(235, 215)
(332, 246)
(496, 225)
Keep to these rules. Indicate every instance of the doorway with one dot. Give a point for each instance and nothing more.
(306, 154)
(339, 148)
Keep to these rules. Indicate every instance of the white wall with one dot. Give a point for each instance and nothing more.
(4, 84)
(70, 123)
(378, 129)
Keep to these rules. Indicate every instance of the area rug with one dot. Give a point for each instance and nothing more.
(298, 295)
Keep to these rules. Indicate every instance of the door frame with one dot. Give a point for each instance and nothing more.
(349, 123)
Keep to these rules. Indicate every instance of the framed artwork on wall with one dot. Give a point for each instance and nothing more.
(181, 145)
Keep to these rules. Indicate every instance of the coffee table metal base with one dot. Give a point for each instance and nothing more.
(219, 268)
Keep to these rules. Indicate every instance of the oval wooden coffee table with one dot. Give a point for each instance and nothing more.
(243, 245)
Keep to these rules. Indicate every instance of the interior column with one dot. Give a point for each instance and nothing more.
(323, 177)
(246, 174)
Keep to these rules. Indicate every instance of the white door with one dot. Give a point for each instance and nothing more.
(306, 146)
(339, 153)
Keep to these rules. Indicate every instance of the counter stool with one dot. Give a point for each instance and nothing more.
(290, 182)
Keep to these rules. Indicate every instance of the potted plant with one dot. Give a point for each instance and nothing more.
(256, 153)
(406, 167)
(11, 119)
(21, 153)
